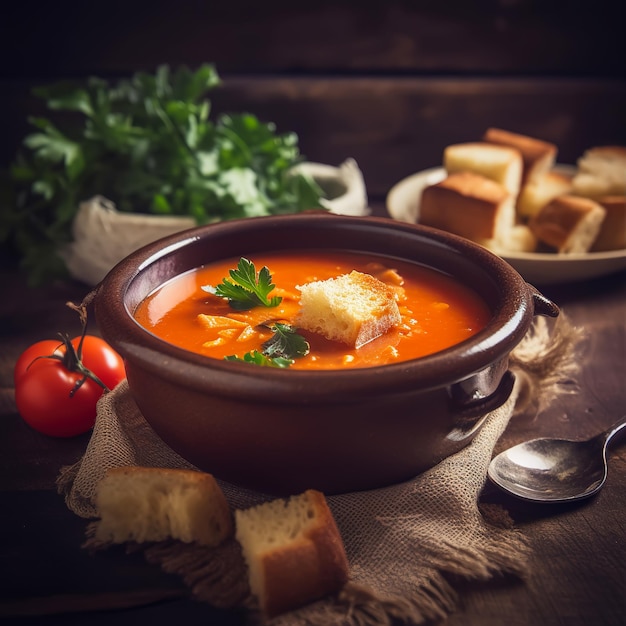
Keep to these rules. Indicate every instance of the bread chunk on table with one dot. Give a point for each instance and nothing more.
(154, 504)
(354, 308)
(294, 551)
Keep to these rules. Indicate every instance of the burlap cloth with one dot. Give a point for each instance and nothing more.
(405, 543)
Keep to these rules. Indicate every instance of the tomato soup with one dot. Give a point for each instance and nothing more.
(436, 310)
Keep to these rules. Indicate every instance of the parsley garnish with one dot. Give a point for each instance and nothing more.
(258, 358)
(285, 342)
(247, 288)
(280, 350)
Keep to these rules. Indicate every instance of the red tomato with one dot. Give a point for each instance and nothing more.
(47, 394)
(44, 401)
(102, 360)
(27, 358)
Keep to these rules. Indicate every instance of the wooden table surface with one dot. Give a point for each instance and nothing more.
(579, 550)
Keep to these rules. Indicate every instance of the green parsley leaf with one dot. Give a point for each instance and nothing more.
(247, 288)
(258, 358)
(280, 350)
(285, 342)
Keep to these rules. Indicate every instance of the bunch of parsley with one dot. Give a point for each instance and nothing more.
(148, 144)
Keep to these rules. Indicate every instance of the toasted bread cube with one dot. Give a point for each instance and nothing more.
(501, 164)
(144, 504)
(570, 224)
(612, 235)
(536, 194)
(538, 156)
(354, 308)
(601, 172)
(294, 551)
(469, 205)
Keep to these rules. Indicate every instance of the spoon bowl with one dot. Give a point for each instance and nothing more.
(554, 470)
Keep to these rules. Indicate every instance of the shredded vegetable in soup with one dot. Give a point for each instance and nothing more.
(248, 309)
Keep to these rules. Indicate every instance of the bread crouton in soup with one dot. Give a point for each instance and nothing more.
(354, 308)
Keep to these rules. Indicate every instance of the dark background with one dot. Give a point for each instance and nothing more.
(388, 83)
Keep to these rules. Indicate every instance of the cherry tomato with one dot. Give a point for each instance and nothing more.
(49, 393)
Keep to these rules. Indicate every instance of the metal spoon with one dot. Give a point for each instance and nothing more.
(554, 470)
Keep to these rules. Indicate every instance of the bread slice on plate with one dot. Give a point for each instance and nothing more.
(601, 172)
(570, 224)
(519, 239)
(537, 193)
(612, 235)
(154, 504)
(354, 308)
(501, 164)
(538, 156)
(294, 551)
(469, 205)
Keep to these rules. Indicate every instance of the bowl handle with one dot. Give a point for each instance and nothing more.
(469, 416)
(543, 305)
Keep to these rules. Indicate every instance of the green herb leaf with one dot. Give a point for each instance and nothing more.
(257, 358)
(247, 288)
(285, 342)
(280, 350)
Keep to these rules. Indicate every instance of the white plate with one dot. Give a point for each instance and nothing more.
(538, 268)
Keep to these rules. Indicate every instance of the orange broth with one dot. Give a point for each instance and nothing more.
(437, 311)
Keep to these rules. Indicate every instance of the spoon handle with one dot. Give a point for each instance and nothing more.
(618, 427)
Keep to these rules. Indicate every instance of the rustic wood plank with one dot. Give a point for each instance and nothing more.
(485, 37)
(394, 127)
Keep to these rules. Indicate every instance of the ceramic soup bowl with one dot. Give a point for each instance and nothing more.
(281, 431)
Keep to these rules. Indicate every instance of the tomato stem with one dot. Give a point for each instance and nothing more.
(73, 356)
(72, 362)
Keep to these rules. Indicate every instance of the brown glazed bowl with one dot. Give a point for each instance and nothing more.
(282, 431)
